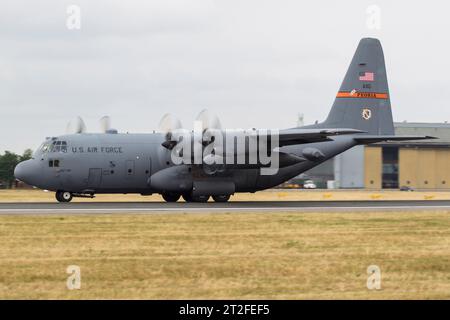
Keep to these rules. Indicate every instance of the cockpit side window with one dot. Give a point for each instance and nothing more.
(53, 163)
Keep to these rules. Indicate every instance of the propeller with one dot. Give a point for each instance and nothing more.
(208, 120)
(211, 125)
(105, 124)
(167, 125)
(76, 126)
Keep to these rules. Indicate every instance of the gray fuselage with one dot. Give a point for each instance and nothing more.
(125, 163)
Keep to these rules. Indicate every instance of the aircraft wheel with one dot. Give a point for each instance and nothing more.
(171, 197)
(200, 198)
(63, 196)
(188, 197)
(221, 198)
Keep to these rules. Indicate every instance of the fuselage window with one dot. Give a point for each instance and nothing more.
(50, 163)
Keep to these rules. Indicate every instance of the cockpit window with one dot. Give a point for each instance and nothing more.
(59, 146)
(51, 146)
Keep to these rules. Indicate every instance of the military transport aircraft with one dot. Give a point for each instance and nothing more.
(84, 164)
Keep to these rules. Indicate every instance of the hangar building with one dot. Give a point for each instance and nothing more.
(422, 164)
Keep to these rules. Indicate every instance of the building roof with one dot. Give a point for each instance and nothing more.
(405, 124)
(438, 130)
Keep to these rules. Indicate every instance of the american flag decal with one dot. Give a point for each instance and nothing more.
(367, 76)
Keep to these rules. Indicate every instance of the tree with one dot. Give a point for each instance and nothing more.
(27, 155)
(8, 162)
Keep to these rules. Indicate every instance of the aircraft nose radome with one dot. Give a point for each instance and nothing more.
(18, 171)
(23, 170)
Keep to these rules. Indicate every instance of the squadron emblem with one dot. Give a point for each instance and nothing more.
(366, 114)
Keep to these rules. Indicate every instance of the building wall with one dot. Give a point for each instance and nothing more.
(349, 168)
(408, 167)
(373, 163)
(424, 168)
(443, 168)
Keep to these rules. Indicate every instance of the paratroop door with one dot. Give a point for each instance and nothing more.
(95, 178)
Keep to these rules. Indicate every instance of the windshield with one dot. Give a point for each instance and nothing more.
(58, 146)
(51, 146)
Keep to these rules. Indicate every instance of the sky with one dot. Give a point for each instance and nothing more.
(253, 63)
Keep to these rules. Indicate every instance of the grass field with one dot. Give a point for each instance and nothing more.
(283, 255)
(268, 195)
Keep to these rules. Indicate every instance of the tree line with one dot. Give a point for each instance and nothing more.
(8, 162)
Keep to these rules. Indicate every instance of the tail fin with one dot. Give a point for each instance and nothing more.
(363, 99)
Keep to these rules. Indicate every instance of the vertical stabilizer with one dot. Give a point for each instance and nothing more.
(363, 100)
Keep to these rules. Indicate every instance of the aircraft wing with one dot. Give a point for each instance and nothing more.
(364, 139)
(300, 136)
(288, 136)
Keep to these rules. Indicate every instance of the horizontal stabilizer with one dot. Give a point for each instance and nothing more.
(365, 139)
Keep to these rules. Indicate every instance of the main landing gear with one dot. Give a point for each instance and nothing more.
(188, 197)
(63, 196)
(171, 197)
(221, 198)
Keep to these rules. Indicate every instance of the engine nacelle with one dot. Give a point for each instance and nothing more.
(175, 179)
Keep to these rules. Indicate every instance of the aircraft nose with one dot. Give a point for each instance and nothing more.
(24, 171)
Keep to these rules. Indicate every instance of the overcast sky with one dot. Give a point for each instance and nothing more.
(253, 63)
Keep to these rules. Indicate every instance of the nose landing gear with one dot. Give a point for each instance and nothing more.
(63, 196)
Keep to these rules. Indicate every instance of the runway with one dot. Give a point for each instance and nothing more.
(253, 206)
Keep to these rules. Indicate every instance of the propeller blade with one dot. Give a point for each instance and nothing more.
(105, 124)
(76, 126)
(209, 120)
(169, 123)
